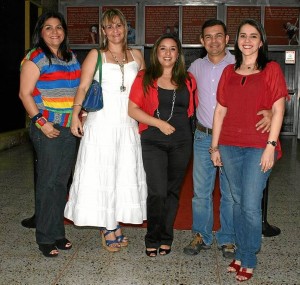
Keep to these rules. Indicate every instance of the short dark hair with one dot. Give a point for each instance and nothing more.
(211, 23)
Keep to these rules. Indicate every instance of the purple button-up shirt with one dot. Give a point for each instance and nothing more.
(207, 77)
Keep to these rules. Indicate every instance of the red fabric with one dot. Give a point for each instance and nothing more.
(149, 103)
(184, 217)
(258, 92)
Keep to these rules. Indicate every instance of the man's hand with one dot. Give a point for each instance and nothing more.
(265, 123)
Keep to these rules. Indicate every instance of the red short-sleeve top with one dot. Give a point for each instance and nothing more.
(244, 96)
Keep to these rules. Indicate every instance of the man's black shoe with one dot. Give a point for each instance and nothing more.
(29, 222)
(270, 230)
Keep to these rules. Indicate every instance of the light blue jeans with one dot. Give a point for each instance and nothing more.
(204, 176)
(247, 183)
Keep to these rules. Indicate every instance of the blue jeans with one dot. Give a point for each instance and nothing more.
(55, 160)
(204, 176)
(247, 183)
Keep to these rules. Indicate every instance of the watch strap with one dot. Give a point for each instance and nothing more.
(273, 143)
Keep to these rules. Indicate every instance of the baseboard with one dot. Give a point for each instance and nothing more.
(13, 138)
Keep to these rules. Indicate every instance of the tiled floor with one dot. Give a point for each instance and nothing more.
(89, 263)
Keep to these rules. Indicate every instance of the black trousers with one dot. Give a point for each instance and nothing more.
(165, 164)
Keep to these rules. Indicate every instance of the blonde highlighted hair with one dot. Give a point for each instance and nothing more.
(109, 17)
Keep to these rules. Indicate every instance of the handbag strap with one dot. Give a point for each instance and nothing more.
(99, 65)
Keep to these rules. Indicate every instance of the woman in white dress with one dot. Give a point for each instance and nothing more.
(109, 183)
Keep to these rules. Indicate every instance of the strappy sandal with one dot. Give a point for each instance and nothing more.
(122, 240)
(48, 250)
(63, 244)
(109, 245)
(151, 252)
(164, 251)
(243, 273)
(234, 267)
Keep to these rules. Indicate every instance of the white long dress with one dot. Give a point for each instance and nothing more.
(109, 183)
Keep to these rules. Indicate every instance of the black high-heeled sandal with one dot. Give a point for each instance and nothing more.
(63, 244)
(151, 253)
(164, 251)
(47, 250)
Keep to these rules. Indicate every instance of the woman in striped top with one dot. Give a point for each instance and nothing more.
(50, 75)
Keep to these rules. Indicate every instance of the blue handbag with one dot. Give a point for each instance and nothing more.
(93, 100)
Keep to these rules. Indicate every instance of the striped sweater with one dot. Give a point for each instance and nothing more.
(56, 87)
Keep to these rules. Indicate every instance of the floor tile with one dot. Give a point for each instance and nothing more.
(89, 263)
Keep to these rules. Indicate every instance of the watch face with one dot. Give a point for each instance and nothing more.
(273, 143)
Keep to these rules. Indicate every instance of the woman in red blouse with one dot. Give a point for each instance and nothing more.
(161, 100)
(253, 83)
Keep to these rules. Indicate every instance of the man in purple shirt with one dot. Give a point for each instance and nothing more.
(207, 72)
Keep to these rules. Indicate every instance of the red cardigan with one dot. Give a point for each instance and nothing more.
(149, 103)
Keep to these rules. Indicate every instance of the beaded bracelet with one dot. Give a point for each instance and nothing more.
(36, 117)
(213, 149)
(40, 122)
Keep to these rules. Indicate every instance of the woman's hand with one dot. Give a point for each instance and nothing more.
(135, 112)
(76, 127)
(83, 117)
(49, 130)
(165, 127)
(267, 158)
(216, 158)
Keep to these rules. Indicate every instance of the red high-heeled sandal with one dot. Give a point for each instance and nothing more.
(243, 273)
(236, 267)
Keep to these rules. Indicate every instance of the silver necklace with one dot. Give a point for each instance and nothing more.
(172, 109)
(121, 64)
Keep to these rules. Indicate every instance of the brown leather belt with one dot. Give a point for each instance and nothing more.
(203, 129)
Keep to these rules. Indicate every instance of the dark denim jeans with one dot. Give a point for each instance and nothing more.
(55, 160)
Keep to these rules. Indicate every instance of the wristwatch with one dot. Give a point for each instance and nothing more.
(273, 143)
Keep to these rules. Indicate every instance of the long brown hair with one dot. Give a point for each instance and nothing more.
(262, 57)
(155, 70)
(38, 41)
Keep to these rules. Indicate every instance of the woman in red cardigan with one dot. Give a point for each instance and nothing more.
(161, 100)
